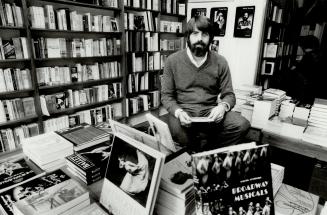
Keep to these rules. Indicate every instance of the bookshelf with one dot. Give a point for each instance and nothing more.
(277, 46)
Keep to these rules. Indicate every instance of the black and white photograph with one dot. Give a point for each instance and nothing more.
(131, 170)
(244, 21)
(218, 18)
(198, 12)
(215, 45)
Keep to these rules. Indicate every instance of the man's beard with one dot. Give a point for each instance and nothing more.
(199, 49)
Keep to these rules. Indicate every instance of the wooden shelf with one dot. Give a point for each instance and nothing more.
(16, 94)
(141, 31)
(14, 62)
(72, 110)
(77, 85)
(18, 122)
(37, 32)
(74, 60)
(12, 28)
(157, 70)
(131, 95)
(69, 2)
(140, 9)
(174, 33)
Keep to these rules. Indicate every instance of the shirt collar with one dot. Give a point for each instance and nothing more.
(189, 54)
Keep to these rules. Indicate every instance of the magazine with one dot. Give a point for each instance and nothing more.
(233, 180)
(132, 177)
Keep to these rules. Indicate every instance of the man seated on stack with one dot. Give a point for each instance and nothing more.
(193, 79)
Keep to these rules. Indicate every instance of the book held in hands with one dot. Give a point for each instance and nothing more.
(233, 180)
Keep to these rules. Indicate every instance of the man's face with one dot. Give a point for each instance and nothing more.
(245, 16)
(198, 42)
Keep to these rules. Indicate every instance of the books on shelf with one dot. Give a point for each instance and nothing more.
(35, 186)
(291, 200)
(171, 26)
(235, 178)
(15, 109)
(15, 171)
(11, 14)
(84, 135)
(143, 102)
(66, 197)
(47, 150)
(15, 48)
(132, 177)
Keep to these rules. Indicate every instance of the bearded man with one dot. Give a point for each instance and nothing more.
(192, 81)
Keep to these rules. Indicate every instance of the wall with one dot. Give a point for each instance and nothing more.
(241, 53)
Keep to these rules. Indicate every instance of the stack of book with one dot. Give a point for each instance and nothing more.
(89, 164)
(277, 175)
(176, 194)
(318, 114)
(301, 115)
(84, 135)
(284, 127)
(277, 94)
(48, 150)
(262, 111)
(290, 200)
(243, 92)
(67, 197)
(286, 109)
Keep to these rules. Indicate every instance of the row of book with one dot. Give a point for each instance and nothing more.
(140, 20)
(316, 30)
(15, 48)
(11, 139)
(93, 116)
(52, 76)
(144, 62)
(14, 109)
(105, 3)
(137, 41)
(74, 98)
(171, 44)
(275, 12)
(13, 79)
(11, 14)
(77, 47)
(142, 102)
(173, 6)
(144, 4)
(171, 26)
(64, 19)
(142, 81)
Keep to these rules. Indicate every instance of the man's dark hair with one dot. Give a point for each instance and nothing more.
(202, 23)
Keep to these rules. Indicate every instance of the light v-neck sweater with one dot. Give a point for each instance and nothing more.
(193, 89)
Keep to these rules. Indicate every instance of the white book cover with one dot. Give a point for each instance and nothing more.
(132, 177)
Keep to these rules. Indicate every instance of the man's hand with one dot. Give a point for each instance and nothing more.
(217, 113)
(184, 118)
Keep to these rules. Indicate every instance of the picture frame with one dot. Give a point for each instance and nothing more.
(198, 12)
(244, 21)
(132, 178)
(218, 18)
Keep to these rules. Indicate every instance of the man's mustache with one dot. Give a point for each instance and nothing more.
(199, 43)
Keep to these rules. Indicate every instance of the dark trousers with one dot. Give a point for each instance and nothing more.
(207, 136)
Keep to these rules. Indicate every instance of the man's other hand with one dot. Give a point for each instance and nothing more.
(217, 113)
(184, 118)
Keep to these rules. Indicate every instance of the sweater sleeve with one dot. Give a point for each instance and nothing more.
(168, 89)
(226, 87)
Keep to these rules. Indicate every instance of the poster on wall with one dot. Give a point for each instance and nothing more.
(215, 45)
(198, 12)
(218, 18)
(244, 21)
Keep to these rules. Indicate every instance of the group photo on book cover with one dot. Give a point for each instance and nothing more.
(233, 182)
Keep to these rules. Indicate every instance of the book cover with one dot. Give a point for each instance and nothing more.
(132, 177)
(13, 172)
(83, 164)
(233, 180)
(53, 200)
(291, 201)
(9, 197)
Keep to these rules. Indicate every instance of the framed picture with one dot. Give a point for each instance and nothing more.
(132, 178)
(215, 45)
(244, 21)
(198, 12)
(218, 18)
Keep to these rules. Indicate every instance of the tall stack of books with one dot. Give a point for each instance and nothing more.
(318, 114)
(48, 150)
(262, 111)
(277, 94)
(277, 176)
(286, 109)
(301, 115)
(290, 200)
(176, 194)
